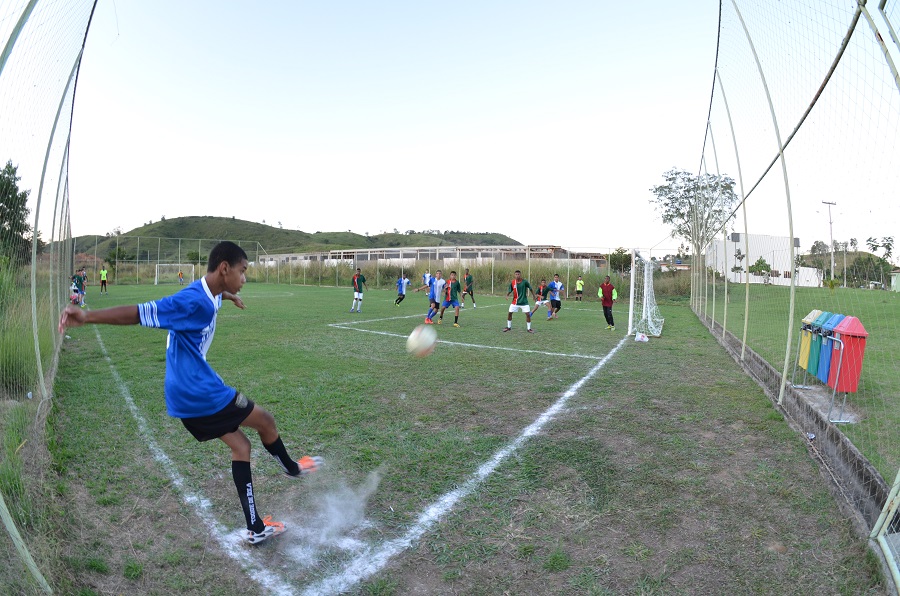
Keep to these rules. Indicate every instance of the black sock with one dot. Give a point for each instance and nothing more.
(279, 452)
(240, 471)
(456, 319)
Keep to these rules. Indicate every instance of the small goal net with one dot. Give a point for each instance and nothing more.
(643, 316)
(167, 273)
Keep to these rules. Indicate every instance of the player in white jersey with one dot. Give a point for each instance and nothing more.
(435, 287)
(402, 285)
(556, 287)
(194, 392)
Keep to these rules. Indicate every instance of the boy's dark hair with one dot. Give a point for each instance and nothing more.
(453, 273)
(227, 252)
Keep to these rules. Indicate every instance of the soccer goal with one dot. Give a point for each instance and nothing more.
(643, 314)
(167, 273)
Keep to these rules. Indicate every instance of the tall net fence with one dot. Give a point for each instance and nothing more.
(799, 282)
(492, 267)
(40, 52)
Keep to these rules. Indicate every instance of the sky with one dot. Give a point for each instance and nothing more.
(545, 122)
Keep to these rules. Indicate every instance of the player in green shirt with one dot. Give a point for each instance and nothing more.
(78, 281)
(468, 288)
(359, 282)
(103, 274)
(519, 289)
(579, 289)
(451, 298)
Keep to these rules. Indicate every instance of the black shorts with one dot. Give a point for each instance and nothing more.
(557, 304)
(227, 420)
(579, 292)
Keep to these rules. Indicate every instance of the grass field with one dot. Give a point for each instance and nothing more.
(876, 400)
(655, 468)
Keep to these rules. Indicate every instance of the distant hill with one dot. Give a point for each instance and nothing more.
(274, 240)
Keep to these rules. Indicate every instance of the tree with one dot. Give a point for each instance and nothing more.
(620, 260)
(760, 267)
(819, 256)
(887, 243)
(116, 256)
(854, 244)
(194, 257)
(873, 244)
(15, 232)
(695, 206)
(738, 262)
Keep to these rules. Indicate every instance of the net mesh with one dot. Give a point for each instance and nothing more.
(645, 313)
(805, 115)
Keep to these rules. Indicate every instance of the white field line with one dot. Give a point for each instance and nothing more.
(373, 559)
(467, 345)
(266, 577)
(451, 343)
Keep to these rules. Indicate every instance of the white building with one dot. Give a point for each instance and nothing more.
(734, 259)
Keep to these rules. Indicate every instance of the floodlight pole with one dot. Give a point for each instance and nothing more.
(830, 236)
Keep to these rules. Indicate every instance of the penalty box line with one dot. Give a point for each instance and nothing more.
(372, 560)
(257, 570)
(464, 344)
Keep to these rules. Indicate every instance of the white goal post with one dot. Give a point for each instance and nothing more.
(643, 314)
(167, 273)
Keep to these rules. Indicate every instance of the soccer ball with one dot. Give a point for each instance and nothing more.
(421, 341)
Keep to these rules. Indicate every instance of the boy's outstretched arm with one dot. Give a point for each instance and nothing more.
(73, 316)
(234, 298)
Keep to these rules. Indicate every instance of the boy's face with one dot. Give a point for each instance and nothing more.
(518, 276)
(234, 276)
(452, 276)
(555, 277)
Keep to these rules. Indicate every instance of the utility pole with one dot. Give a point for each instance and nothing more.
(845, 264)
(830, 236)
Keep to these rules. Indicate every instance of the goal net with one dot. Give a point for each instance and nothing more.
(643, 315)
(167, 273)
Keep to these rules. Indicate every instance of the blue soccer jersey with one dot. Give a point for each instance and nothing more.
(192, 387)
(402, 284)
(437, 288)
(555, 288)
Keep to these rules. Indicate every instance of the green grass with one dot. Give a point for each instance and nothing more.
(667, 473)
(875, 400)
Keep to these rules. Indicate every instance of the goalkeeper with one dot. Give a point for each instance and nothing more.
(608, 295)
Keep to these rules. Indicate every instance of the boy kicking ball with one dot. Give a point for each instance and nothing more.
(194, 392)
